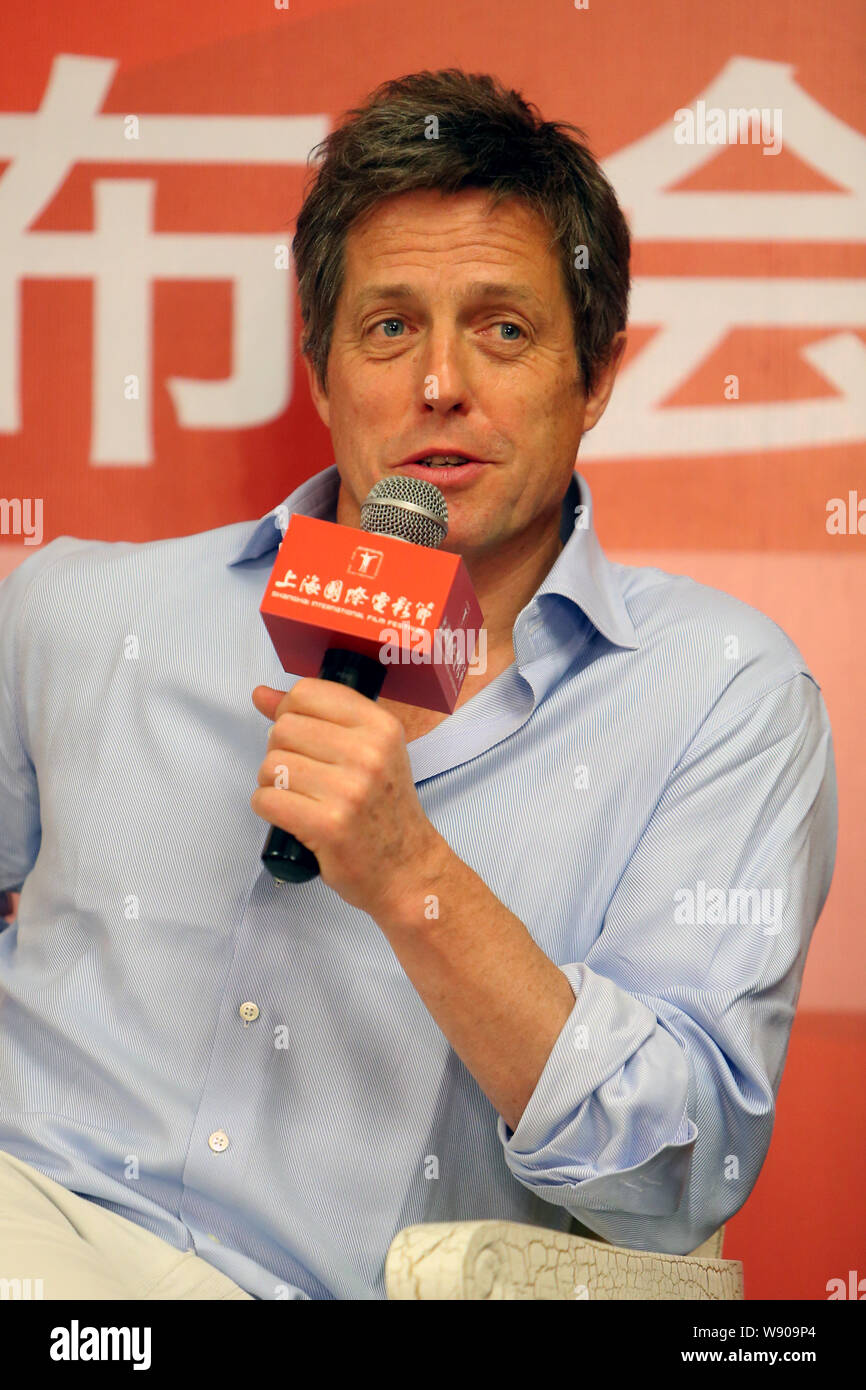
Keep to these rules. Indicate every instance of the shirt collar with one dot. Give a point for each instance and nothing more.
(316, 497)
(581, 572)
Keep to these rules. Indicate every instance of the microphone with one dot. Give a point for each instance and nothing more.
(400, 508)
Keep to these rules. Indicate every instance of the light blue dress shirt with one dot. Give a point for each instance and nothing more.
(649, 787)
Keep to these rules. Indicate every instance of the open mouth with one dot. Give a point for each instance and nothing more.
(442, 461)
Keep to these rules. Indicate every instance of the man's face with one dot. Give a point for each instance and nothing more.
(454, 334)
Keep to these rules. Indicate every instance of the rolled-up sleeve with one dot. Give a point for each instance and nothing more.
(653, 1114)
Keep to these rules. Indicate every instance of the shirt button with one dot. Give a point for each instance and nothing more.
(218, 1141)
(249, 1011)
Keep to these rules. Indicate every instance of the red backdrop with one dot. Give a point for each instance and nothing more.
(152, 164)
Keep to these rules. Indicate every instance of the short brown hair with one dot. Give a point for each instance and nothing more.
(486, 137)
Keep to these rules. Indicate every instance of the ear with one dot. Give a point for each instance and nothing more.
(597, 402)
(320, 399)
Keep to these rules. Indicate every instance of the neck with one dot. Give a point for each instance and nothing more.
(505, 580)
(504, 577)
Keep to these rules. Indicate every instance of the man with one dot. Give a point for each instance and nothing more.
(549, 970)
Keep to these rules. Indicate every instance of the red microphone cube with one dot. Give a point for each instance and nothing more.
(408, 606)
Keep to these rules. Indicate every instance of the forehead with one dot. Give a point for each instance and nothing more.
(428, 231)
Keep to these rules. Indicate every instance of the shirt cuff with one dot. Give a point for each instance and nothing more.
(607, 1126)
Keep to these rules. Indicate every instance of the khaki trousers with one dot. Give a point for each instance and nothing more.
(79, 1250)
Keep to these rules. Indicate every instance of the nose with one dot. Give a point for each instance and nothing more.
(445, 386)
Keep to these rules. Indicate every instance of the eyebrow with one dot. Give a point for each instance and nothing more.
(477, 289)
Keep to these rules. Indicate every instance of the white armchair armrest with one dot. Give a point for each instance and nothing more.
(509, 1260)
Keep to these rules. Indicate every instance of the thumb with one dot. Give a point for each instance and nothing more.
(266, 699)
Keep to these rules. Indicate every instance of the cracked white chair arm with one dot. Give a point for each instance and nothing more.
(510, 1260)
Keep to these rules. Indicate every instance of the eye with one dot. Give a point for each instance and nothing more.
(512, 335)
(389, 324)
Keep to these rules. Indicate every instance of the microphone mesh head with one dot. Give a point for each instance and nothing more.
(407, 508)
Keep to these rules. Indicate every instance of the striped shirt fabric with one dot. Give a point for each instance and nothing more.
(243, 1068)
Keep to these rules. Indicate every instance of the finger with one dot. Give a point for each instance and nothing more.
(266, 700)
(329, 700)
(315, 738)
(309, 777)
(309, 820)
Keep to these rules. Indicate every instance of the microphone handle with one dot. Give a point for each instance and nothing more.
(284, 856)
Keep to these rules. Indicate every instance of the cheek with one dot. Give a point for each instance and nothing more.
(351, 409)
(534, 409)
(565, 404)
(369, 398)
